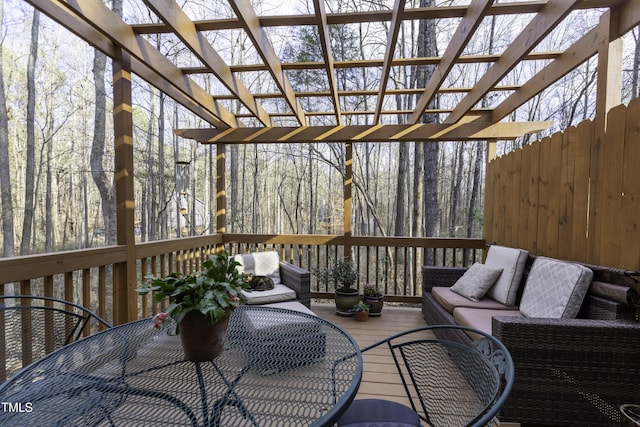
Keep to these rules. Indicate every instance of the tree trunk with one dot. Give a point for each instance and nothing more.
(8, 240)
(102, 180)
(427, 48)
(27, 220)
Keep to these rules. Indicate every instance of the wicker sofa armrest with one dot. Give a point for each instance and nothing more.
(570, 371)
(440, 276)
(297, 279)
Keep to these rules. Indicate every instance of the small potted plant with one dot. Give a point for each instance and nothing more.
(344, 277)
(200, 304)
(374, 299)
(360, 311)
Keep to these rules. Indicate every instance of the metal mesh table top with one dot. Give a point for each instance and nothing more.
(279, 367)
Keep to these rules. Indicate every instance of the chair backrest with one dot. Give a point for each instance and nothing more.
(33, 326)
(449, 383)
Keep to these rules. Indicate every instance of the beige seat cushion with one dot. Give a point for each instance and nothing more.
(480, 319)
(279, 293)
(450, 300)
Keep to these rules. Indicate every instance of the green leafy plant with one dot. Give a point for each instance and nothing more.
(342, 274)
(214, 291)
(361, 306)
(371, 291)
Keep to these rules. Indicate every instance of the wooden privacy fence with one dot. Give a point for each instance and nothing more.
(574, 195)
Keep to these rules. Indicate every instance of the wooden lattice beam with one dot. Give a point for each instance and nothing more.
(327, 54)
(392, 39)
(467, 27)
(251, 24)
(365, 133)
(185, 29)
(541, 24)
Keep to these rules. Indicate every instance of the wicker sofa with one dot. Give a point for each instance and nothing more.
(569, 371)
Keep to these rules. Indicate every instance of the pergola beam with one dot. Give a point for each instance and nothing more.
(467, 27)
(541, 24)
(373, 63)
(392, 39)
(365, 133)
(578, 53)
(448, 12)
(84, 28)
(183, 27)
(327, 54)
(251, 24)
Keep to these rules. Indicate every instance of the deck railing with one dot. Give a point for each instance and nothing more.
(88, 276)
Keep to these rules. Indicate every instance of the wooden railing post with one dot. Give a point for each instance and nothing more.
(125, 277)
(221, 193)
(348, 201)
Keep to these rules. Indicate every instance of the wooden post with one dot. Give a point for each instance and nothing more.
(221, 199)
(348, 203)
(125, 277)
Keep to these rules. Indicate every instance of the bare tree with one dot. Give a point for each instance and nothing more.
(29, 179)
(8, 241)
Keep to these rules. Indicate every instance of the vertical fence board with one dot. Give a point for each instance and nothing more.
(567, 175)
(488, 213)
(630, 195)
(611, 186)
(579, 235)
(532, 197)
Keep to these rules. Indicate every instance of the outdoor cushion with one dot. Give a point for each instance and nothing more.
(555, 289)
(512, 262)
(260, 264)
(378, 413)
(450, 300)
(279, 293)
(480, 319)
(476, 281)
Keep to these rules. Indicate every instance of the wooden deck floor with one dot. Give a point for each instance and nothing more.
(379, 378)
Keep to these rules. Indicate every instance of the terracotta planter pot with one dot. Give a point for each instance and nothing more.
(361, 316)
(201, 340)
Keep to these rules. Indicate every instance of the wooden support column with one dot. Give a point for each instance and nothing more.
(221, 192)
(348, 201)
(125, 276)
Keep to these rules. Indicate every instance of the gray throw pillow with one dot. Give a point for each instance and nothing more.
(476, 281)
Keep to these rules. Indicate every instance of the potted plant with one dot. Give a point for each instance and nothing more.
(374, 299)
(200, 304)
(361, 311)
(344, 277)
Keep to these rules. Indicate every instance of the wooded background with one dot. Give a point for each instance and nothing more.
(56, 164)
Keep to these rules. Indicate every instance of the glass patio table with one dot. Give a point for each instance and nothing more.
(279, 367)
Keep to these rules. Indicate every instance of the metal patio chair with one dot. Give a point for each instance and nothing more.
(33, 326)
(447, 383)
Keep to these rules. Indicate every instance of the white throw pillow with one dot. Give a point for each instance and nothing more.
(512, 262)
(555, 289)
(260, 264)
(476, 281)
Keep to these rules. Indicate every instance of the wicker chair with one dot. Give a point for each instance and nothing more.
(447, 383)
(33, 326)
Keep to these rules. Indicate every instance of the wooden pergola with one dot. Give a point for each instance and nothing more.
(132, 53)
